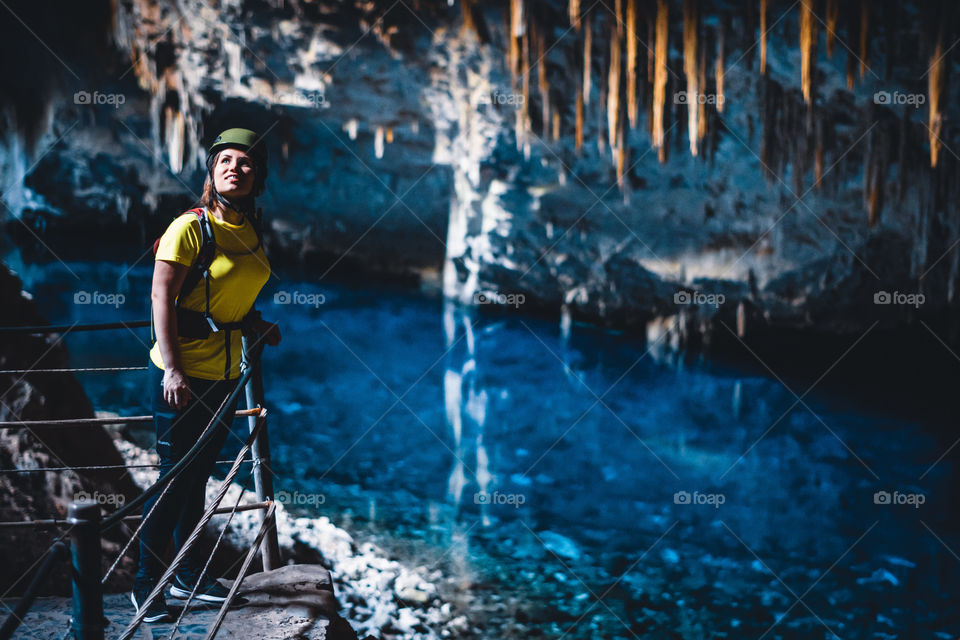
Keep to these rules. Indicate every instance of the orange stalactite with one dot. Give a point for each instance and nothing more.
(515, 31)
(851, 69)
(833, 11)
(874, 203)
(864, 33)
(613, 86)
(574, 9)
(763, 37)
(587, 51)
(579, 133)
(690, 59)
(466, 9)
(660, 78)
(525, 70)
(934, 88)
(542, 83)
(702, 104)
(523, 116)
(517, 18)
(808, 35)
(556, 127)
(632, 41)
(718, 67)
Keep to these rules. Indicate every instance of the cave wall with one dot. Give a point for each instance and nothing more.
(459, 144)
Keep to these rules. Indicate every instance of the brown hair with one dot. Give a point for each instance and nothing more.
(207, 198)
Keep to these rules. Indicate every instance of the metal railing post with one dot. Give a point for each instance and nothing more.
(262, 475)
(87, 592)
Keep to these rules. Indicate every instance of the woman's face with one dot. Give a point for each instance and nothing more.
(233, 173)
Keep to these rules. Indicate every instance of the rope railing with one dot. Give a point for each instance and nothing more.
(96, 467)
(98, 326)
(166, 480)
(85, 422)
(235, 587)
(195, 534)
(87, 585)
(213, 551)
(53, 522)
(72, 370)
(187, 458)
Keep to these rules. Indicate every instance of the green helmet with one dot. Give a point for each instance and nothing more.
(249, 142)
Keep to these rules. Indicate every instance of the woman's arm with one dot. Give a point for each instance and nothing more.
(167, 279)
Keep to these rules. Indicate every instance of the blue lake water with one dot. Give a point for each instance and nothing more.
(572, 486)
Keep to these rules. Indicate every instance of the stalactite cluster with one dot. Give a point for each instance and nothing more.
(798, 132)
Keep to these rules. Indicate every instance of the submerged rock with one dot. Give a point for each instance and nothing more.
(560, 545)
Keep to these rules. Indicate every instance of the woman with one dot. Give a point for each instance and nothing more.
(192, 367)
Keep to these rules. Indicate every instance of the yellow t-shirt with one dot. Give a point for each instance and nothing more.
(235, 282)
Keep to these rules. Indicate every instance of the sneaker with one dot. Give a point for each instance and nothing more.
(208, 591)
(157, 612)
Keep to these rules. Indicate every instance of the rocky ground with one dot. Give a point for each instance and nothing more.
(377, 596)
(380, 597)
(289, 602)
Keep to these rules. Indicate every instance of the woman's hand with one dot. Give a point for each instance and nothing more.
(175, 389)
(270, 332)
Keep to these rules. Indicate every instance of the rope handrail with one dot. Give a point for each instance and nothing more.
(176, 469)
(83, 422)
(210, 556)
(54, 522)
(71, 370)
(88, 610)
(235, 587)
(98, 467)
(61, 328)
(188, 457)
(195, 534)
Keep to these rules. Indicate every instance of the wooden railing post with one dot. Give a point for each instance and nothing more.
(262, 475)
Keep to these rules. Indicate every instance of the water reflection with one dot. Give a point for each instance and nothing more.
(465, 404)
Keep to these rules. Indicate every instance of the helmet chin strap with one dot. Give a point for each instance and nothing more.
(242, 205)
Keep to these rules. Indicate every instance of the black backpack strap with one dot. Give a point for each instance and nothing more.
(201, 266)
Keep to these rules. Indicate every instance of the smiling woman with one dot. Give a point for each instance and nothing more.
(196, 358)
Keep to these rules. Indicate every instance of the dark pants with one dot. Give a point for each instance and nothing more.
(183, 504)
